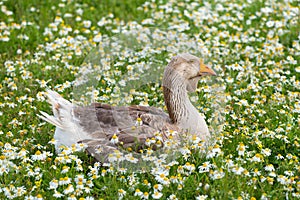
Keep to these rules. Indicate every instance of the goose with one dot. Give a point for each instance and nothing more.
(103, 128)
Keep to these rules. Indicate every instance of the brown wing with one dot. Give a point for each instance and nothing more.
(111, 119)
(132, 124)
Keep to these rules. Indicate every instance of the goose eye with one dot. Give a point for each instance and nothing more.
(191, 61)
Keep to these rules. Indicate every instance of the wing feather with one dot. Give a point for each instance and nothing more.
(133, 125)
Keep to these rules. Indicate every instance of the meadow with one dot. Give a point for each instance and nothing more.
(253, 45)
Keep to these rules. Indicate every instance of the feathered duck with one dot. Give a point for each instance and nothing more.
(106, 127)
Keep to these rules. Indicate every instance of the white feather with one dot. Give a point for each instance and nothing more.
(68, 131)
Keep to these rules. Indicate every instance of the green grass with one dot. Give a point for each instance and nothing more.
(266, 77)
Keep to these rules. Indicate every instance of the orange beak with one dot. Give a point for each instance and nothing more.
(206, 71)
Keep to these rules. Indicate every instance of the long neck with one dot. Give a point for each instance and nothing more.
(176, 99)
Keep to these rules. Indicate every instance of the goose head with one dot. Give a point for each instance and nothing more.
(187, 69)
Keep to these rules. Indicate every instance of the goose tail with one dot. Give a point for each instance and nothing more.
(68, 130)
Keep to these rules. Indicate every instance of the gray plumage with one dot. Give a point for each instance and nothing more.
(95, 125)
